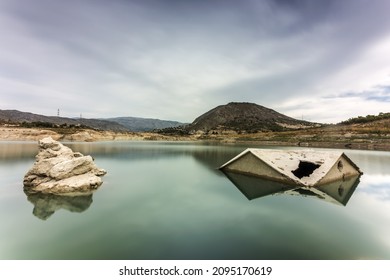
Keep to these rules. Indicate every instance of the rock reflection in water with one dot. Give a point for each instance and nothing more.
(45, 205)
(338, 192)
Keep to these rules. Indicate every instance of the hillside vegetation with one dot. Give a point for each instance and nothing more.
(367, 119)
(25, 119)
(144, 124)
(240, 117)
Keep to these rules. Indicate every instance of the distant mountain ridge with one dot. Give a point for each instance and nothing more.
(15, 116)
(115, 124)
(243, 116)
(144, 124)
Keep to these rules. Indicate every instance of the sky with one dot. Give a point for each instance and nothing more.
(321, 61)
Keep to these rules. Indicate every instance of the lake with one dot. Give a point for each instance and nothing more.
(168, 200)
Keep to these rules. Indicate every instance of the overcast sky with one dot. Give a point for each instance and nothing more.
(323, 61)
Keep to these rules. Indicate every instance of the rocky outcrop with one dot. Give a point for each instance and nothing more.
(82, 135)
(59, 170)
(25, 134)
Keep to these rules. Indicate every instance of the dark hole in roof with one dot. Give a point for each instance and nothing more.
(305, 169)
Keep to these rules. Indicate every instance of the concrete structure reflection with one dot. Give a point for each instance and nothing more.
(337, 192)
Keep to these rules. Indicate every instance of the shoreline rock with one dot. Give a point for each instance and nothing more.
(59, 170)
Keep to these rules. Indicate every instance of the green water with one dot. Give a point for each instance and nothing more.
(168, 201)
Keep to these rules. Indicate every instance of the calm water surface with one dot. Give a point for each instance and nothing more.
(168, 201)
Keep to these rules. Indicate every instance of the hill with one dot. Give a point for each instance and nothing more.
(34, 120)
(245, 117)
(367, 119)
(144, 124)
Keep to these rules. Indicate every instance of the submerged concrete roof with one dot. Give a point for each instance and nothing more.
(287, 161)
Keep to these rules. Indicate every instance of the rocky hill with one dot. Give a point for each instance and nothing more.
(245, 117)
(34, 120)
(144, 124)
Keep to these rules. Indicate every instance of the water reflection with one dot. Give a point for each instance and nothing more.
(45, 205)
(253, 187)
(157, 179)
(17, 151)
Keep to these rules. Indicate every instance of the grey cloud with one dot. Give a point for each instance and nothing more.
(332, 44)
(132, 57)
(378, 93)
(381, 98)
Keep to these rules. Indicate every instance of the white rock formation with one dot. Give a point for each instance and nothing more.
(58, 170)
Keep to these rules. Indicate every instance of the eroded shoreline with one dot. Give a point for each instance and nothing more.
(315, 139)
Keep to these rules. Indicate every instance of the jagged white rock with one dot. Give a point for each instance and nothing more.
(59, 170)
